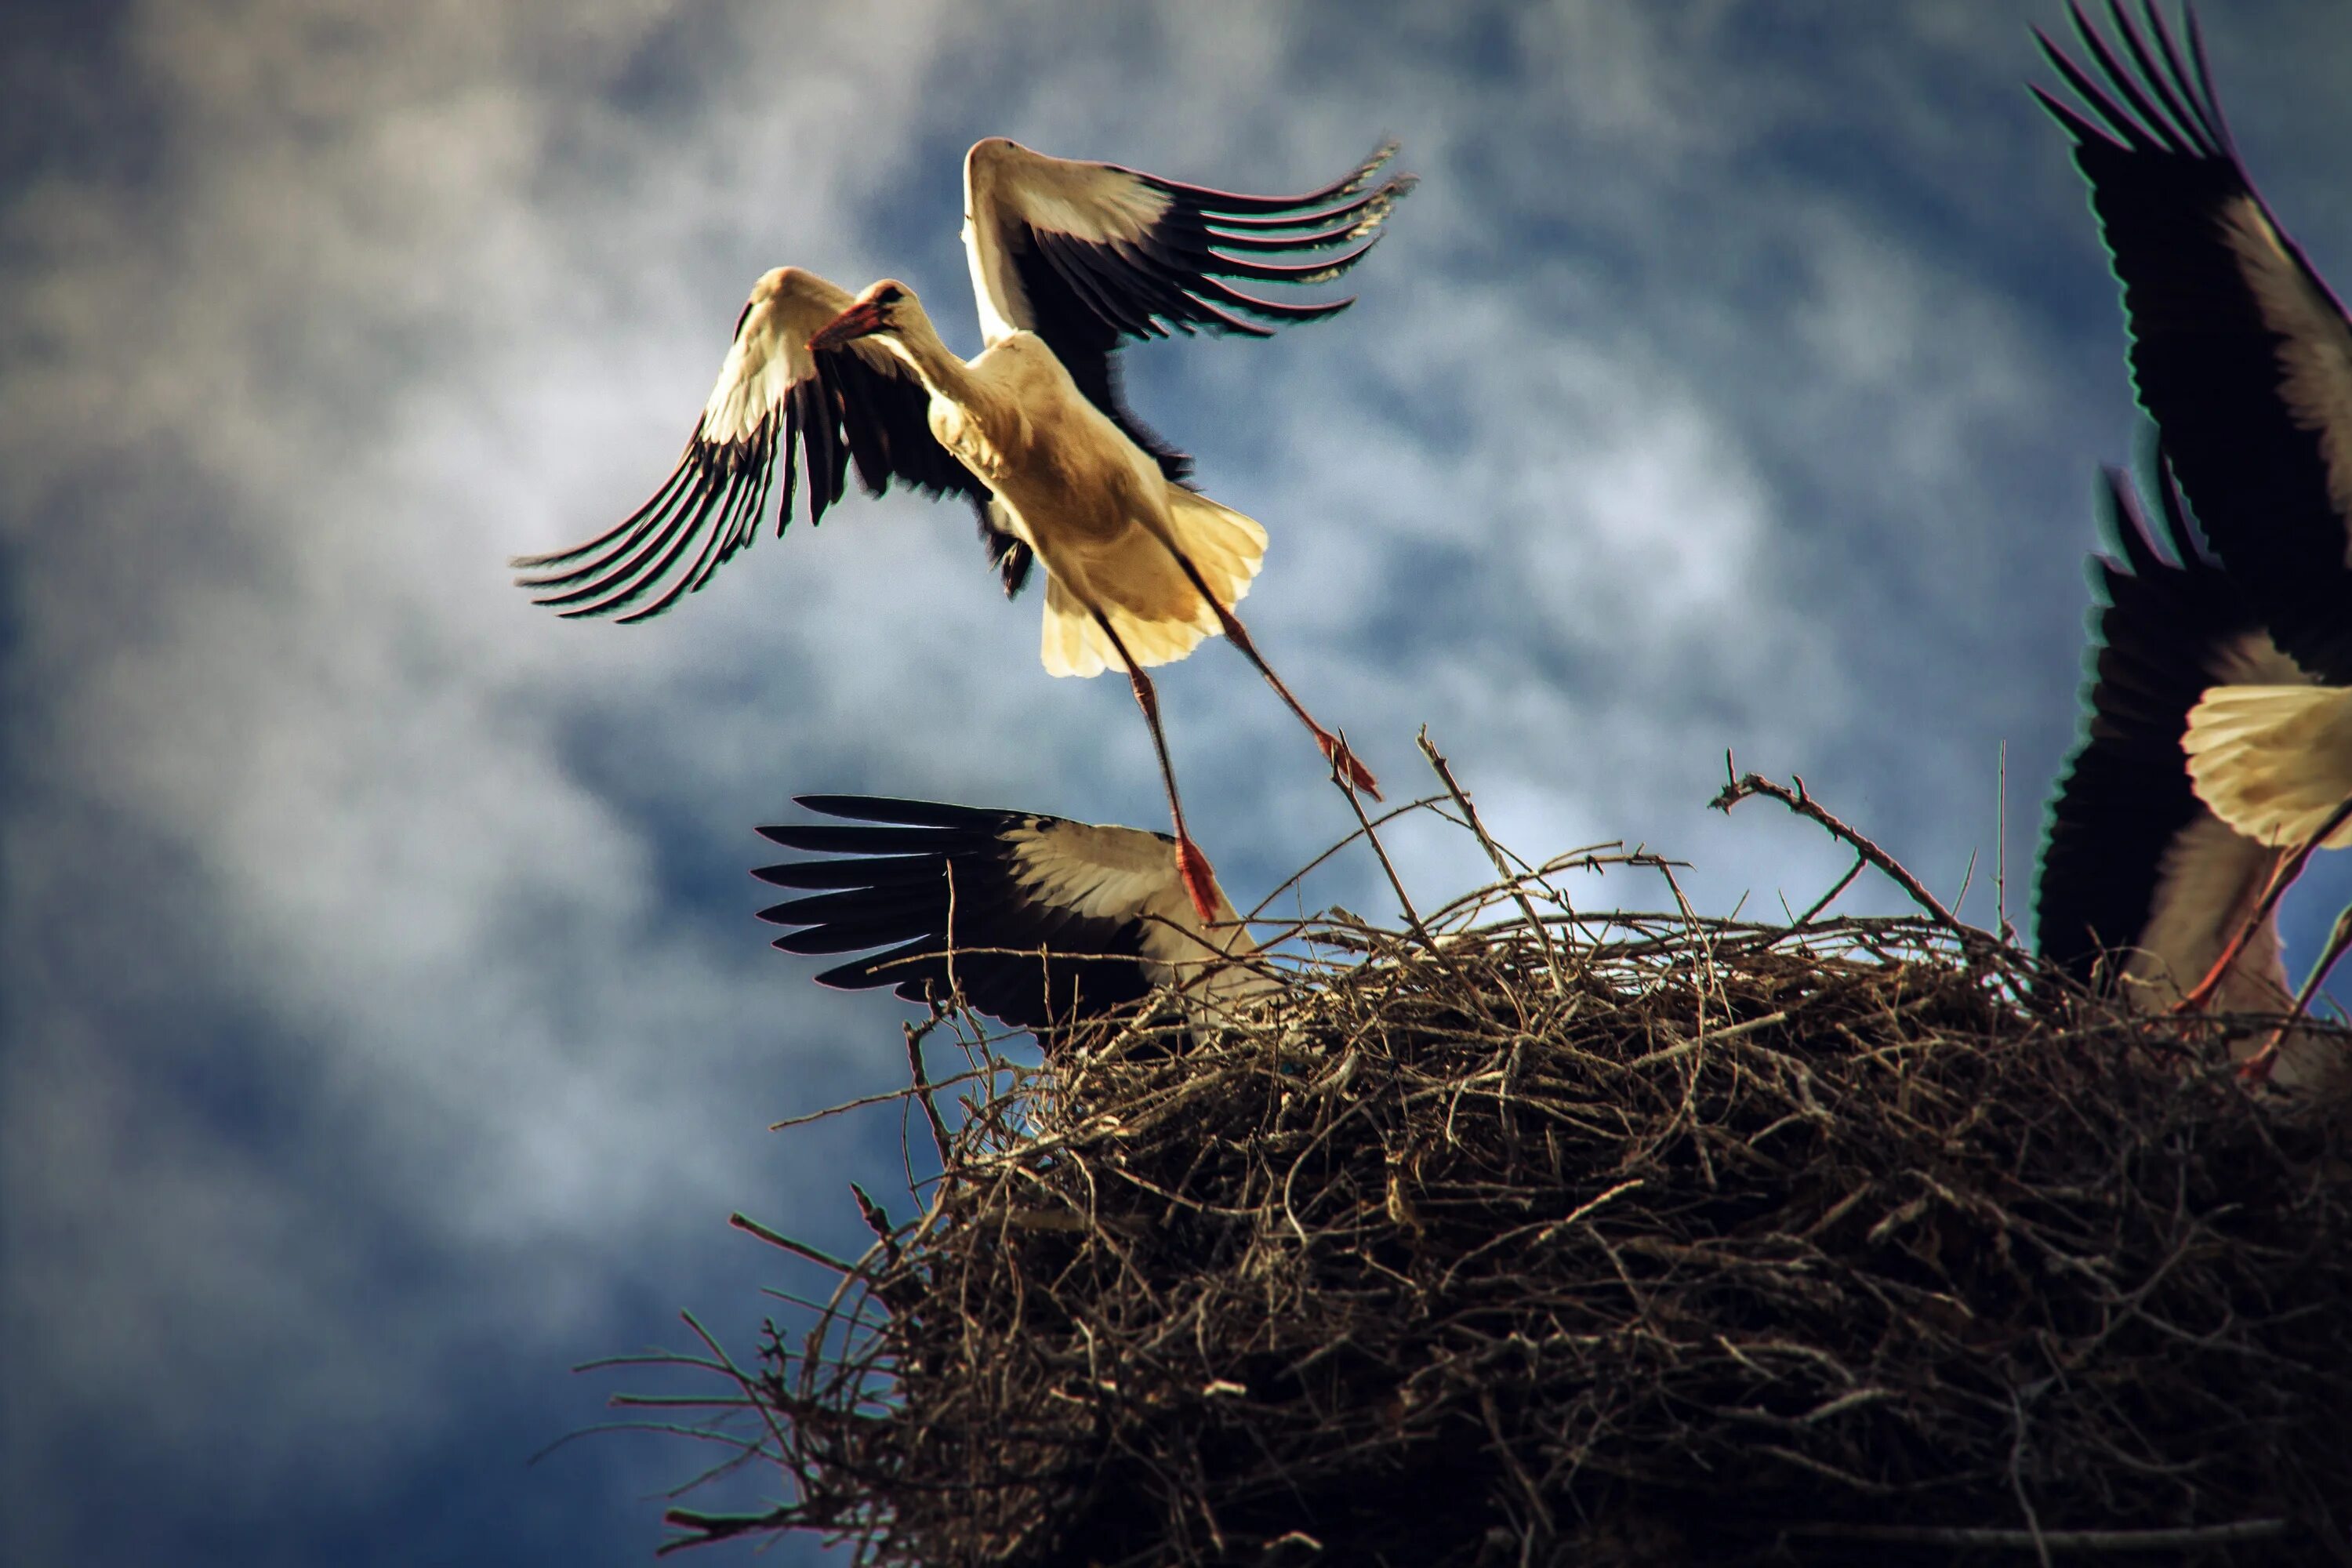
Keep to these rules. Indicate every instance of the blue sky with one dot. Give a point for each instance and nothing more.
(386, 1027)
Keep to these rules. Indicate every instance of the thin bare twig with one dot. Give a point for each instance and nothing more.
(939, 1139)
(886, 1096)
(1510, 880)
(1404, 899)
(2048, 1540)
(2017, 1481)
(1839, 886)
(1739, 787)
(797, 1248)
(1382, 820)
(2001, 854)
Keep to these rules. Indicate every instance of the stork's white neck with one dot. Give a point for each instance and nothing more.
(941, 371)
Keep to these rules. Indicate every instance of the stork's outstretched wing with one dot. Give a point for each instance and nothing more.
(1089, 255)
(1037, 920)
(2134, 869)
(2240, 353)
(775, 399)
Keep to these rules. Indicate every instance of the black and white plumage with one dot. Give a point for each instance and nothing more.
(1033, 919)
(1069, 260)
(2243, 358)
(2141, 887)
(1086, 256)
(776, 401)
(1093, 255)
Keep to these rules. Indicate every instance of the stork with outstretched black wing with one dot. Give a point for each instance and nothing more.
(1040, 921)
(2141, 886)
(1070, 261)
(2143, 891)
(2242, 356)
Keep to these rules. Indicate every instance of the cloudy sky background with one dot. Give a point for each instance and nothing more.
(386, 1025)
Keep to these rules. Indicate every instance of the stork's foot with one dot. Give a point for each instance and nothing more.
(1343, 762)
(2256, 1069)
(1200, 882)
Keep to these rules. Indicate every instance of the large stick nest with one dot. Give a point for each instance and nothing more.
(1597, 1240)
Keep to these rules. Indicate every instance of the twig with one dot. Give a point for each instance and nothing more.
(1739, 787)
(715, 1527)
(1494, 853)
(1404, 899)
(2001, 855)
(797, 1248)
(1390, 815)
(2048, 1541)
(2017, 1481)
(939, 1139)
(878, 1220)
(863, 1101)
(1504, 1450)
(1818, 905)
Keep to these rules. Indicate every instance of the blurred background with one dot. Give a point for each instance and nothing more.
(386, 1027)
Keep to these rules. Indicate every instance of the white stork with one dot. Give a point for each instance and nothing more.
(2142, 888)
(2244, 359)
(1069, 260)
(1037, 920)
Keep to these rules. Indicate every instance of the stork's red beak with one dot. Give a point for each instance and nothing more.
(859, 320)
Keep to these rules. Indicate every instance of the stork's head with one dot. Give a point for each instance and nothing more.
(883, 307)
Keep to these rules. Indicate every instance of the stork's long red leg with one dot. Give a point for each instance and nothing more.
(2282, 878)
(2257, 1067)
(1191, 866)
(1335, 749)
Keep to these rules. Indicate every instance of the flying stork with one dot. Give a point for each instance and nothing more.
(2244, 359)
(1069, 260)
(2142, 887)
(1036, 920)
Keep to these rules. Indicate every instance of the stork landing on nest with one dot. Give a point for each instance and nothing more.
(1069, 260)
(1039, 922)
(2142, 887)
(2243, 358)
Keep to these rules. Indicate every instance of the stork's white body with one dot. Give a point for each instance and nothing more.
(1103, 519)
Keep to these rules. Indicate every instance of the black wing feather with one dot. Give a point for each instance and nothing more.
(2163, 171)
(1088, 297)
(2166, 616)
(1032, 965)
(887, 422)
(847, 411)
(1084, 341)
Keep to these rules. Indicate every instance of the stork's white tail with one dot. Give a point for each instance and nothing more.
(2273, 761)
(1152, 604)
